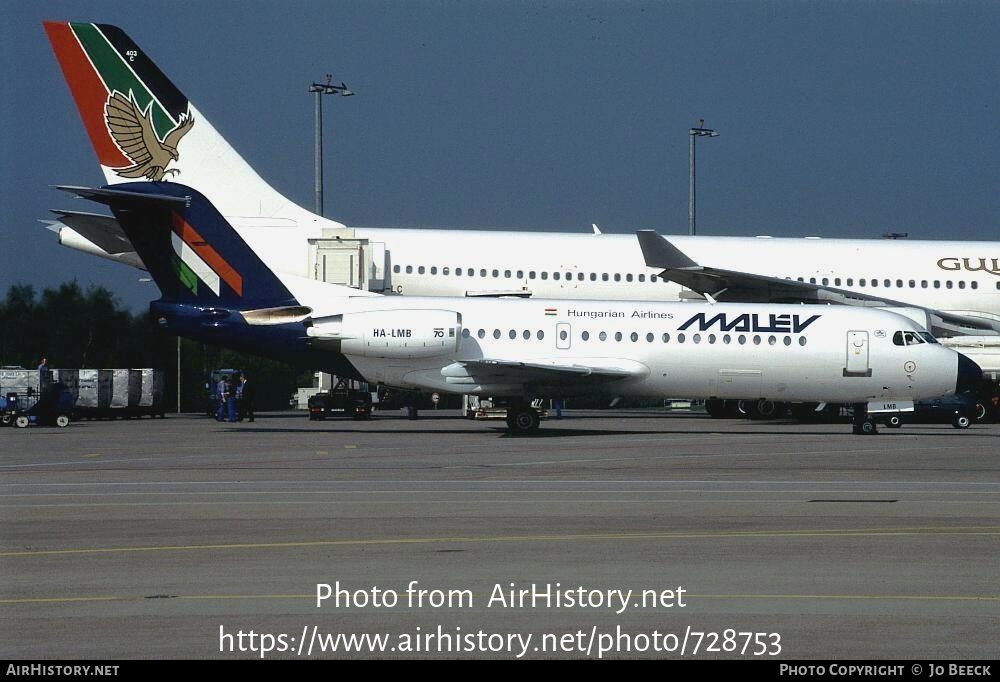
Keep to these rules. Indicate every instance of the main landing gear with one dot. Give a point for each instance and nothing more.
(864, 425)
(522, 418)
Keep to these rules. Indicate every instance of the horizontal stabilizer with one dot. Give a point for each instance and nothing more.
(102, 230)
(106, 196)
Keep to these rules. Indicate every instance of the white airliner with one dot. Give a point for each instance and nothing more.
(143, 128)
(215, 288)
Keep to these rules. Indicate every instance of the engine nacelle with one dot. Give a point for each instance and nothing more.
(393, 333)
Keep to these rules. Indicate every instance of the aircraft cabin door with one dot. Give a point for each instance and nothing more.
(857, 355)
(563, 335)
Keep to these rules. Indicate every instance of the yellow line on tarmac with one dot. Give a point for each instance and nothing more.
(865, 532)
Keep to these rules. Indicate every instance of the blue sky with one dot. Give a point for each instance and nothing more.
(839, 119)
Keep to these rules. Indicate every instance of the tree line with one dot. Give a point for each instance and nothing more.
(78, 329)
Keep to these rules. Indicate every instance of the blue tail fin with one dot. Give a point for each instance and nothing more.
(192, 252)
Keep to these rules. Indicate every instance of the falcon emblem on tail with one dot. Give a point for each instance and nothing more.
(132, 130)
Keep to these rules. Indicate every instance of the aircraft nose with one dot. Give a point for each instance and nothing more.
(969, 375)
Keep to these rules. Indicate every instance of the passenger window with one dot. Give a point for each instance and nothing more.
(874, 282)
(642, 278)
(545, 275)
(409, 269)
(666, 338)
(937, 284)
(618, 277)
(482, 272)
(727, 339)
(496, 333)
(496, 273)
(742, 339)
(850, 281)
(512, 334)
(711, 338)
(434, 270)
(603, 336)
(563, 335)
(696, 338)
(826, 281)
(466, 333)
(555, 275)
(788, 340)
(634, 336)
(836, 282)
(420, 270)
(481, 333)
(446, 270)
(506, 274)
(974, 285)
(540, 335)
(585, 336)
(756, 340)
(887, 283)
(802, 340)
(520, 274)
(947, 284)
(579, 276)
(531, 274)
(961, 284)
(395, 268)
(526, 335)
(771, 340)
(593, 277)
(628, 278)
(861, 283)
(650, 337)
(618, 336)
(680, 338)
(604, 277)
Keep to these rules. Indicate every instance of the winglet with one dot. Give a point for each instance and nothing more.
(660, 253)
(597, 230)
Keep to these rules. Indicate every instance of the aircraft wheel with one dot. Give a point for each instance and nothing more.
(62, 421)
(21, 422)
(743, 408)
(6, 419)
(763, 409)
(979, 412)
(961, 421)
(894, 422)
(522, 419)
(715, 408)
(866, 428)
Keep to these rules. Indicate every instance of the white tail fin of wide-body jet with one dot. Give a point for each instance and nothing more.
(142, 127)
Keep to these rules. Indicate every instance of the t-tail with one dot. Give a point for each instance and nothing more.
(214, 287)
(143, 128)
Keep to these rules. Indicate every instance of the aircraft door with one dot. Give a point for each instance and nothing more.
(563, 335)
(857, 355)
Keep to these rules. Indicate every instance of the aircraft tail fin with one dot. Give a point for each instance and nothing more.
(142, 127)
(191, 251)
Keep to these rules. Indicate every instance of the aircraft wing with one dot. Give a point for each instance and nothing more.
(733, 285)
(540, 373)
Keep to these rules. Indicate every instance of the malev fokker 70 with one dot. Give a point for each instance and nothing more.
(143, 127)
(215, 288)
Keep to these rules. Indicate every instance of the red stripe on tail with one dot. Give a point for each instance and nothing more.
(88, 91)
(207, 253)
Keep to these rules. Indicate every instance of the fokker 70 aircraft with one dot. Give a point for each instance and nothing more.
(215, 288)
(143, 128)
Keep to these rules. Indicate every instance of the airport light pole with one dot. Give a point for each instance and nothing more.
(323, 89)
(693, 134)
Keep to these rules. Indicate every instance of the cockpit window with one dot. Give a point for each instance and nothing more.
(911, 338)
(928, 337)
